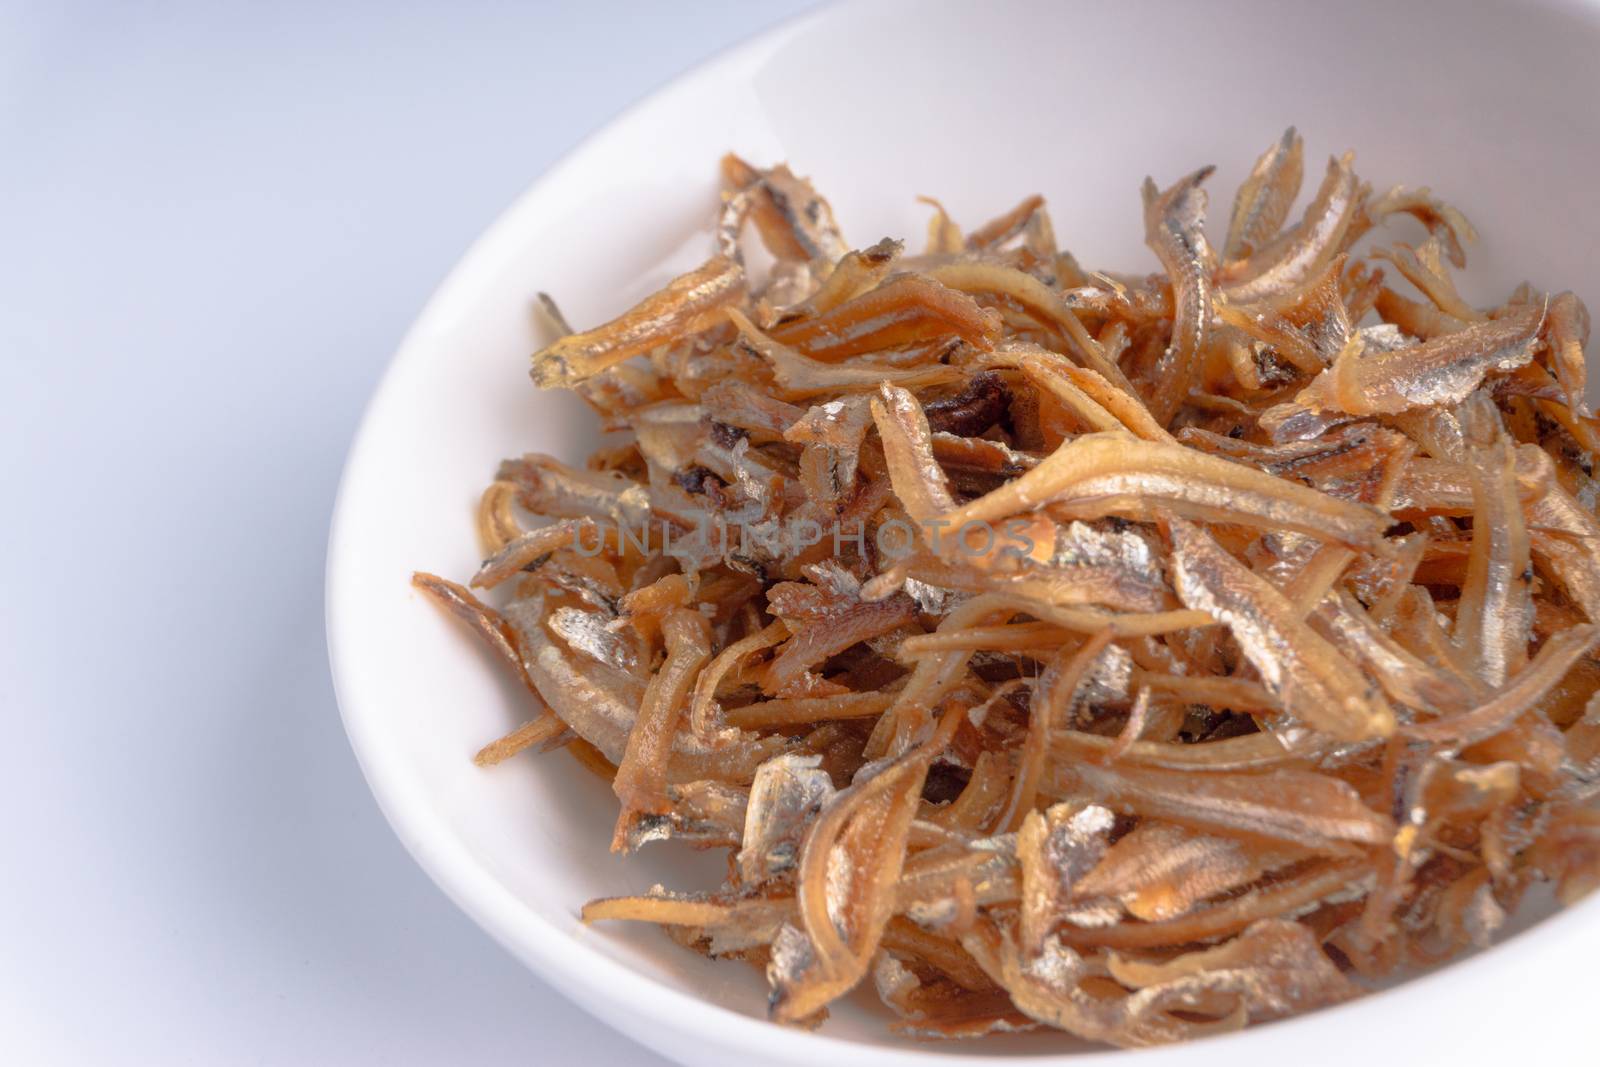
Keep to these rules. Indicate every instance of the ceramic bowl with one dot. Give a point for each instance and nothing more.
(1494, 105)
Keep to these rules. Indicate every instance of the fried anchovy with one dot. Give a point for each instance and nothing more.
(1174, 223)
(853, 275)
(1315, 682)
(600, 702)
(528, 548)
(1300, 252)
(1040, 302)
(786, 795)
(1442, 371)
(1444, 223)
(1405, 677)
(689, 303)
(1496, 607)
(1284, 804)
(917, 478)
(486, 622)
(1554, 658)
(1161, 870)
(905, 308)
(1056, 847)
(1568, 327)
(999, 230)
(1264, 199)
(1113, 474)
(794, 221)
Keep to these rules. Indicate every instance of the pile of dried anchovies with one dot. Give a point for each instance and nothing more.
(1136, 655)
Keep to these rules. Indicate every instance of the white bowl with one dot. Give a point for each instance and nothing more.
(1495, 107)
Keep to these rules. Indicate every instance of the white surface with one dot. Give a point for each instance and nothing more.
(519, 850)
(215, 225)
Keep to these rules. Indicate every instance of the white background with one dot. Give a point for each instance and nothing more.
(216, 222)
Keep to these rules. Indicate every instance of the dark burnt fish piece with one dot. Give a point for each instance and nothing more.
(983, 402)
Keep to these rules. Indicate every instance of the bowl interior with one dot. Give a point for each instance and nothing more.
(1493, 106)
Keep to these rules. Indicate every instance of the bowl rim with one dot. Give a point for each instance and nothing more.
(595, 981)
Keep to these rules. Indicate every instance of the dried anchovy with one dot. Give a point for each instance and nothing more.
(1442, 371)
(981, 403)
(1236, 646)
(1315, 682)
(1265, 197)
(688, 304)
(1174, 222)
